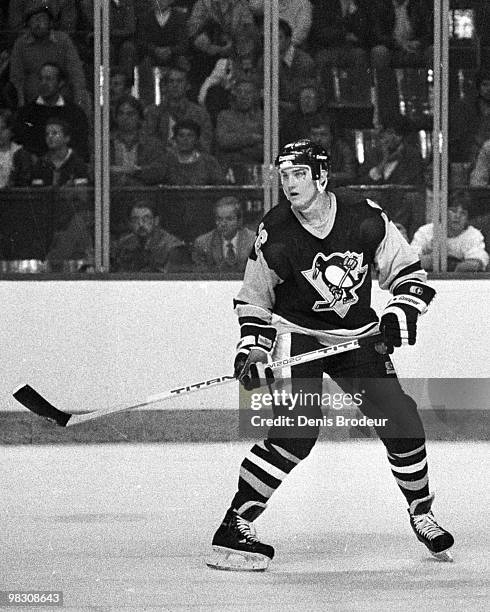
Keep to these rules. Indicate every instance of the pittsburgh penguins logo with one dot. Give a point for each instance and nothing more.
(337, 279)
(261, 239)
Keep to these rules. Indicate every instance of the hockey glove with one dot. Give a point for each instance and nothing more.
(398, 323)
(253, 352)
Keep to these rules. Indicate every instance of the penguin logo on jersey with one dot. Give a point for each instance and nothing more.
(337, 279)
(261, 239)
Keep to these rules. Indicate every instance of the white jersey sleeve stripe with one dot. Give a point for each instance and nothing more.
(393, 255)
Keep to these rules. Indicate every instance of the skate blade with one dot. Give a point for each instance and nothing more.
(231, 560)
(445, 556)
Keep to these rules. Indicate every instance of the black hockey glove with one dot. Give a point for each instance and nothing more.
(253, 352)
(398, 323)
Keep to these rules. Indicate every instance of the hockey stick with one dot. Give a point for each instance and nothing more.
(36, 403)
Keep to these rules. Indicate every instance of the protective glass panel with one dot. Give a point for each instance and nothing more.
(468, 217)
(186, 136)
(371, 104)
(47, 213)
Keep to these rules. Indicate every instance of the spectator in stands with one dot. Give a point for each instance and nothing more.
(232, 16)
(403, 31)
(30, 128)
(64, 14)
(136, 158)
(40, 44)
(239, 130)
(5, 42)
(341, 34)
(480, 175)
(122, 31)
(119, 85)
(297, 13)
(175, 106)
(8, 94)
(465, 244)
(215, 92)
(60, 165)
(226, 248)
(162, 38)
(295, 68)
(396, 161)
(344, 166)
(186, 164)
(72, 246)
(148, 247)
(15, 162)
(212, 26)
(309, 108)
(3, 24)
(469, 122)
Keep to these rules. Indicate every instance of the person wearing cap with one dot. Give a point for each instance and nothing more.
(39, 44)
(465, 244)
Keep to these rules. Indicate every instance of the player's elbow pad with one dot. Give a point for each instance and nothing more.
(413, 293)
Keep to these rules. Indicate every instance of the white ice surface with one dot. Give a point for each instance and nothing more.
(128, 527)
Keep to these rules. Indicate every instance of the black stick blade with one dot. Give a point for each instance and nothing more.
(36, 403)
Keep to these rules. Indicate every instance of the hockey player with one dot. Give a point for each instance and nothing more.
(307, 283)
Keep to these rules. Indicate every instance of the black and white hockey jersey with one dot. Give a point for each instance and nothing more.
(322, 286)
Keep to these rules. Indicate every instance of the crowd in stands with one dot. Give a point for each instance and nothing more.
(186, 94)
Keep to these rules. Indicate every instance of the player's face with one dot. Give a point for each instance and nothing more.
(142, 221)
(298, 185)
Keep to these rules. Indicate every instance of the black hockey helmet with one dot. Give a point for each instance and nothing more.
(304, 153)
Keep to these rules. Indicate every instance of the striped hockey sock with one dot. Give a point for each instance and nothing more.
(261, 472)
(411, 472)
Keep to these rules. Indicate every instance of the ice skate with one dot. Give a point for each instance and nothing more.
(237, 548)
(425, 526)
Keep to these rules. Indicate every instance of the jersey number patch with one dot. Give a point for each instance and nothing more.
(337, 279)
